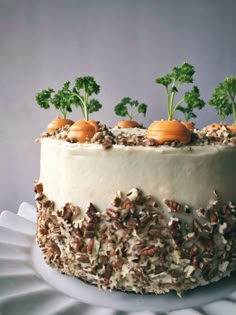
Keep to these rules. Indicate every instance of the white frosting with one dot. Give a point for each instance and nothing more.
(83, 173)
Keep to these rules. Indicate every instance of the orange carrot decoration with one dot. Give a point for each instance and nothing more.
(232, 128)
(213, 126)
(168, 130)
(59, 122)
(128, 124)
(82, 130)
(188, 124)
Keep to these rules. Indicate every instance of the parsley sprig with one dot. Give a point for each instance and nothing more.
(61, 100)
(224, 98)
(79, 95)
(193, 101)
(130, 108)
(84, 88)
(172, 82)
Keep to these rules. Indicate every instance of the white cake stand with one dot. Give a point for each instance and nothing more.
(30, 287)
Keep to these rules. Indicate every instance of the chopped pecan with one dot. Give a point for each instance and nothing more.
(38, 188)
(144, 219)
(118, 225)
(207, 228)
(89, 234)
(47, 222)
(79, 243)
(196, 227)
(43, 231)
(72, 140)
(92, 226)
(119, 263)
(149, 250)
(107, 145)
(140, 229)
(112, 214)
(83, 259)
(172, 205)
(54, 219)
(116, 202)
(84, 249)
(108, 271)
(213, 217)
(92, 212)
(150, 142)
(132, 222)
(76, 212)
(67, 211)
(127, 204)
(201, 212)
(194, 261)
(90, 246)
(48, 204)
(161, 232)
(55, 248)
(103, 259)
(61, 237)
(112, 252)
(39, 197)
(193, 250)
(102, 230)
(56, 230)
(174, 224)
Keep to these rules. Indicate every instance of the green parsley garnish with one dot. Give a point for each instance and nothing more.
(84, 88)
(79, 95)
(224, 98)
(193, 101)
(130, 108)
(62, 99)
(172, 82)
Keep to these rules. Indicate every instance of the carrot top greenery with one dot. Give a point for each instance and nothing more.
(224, 98)
(130, 108)
(66, 97)
(172, 81)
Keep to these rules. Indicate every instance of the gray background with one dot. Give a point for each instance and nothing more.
(124, 44)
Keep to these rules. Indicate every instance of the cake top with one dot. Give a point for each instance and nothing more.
(136, 137)
(129, 132)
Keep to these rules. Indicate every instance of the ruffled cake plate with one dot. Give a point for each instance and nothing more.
(30, 287)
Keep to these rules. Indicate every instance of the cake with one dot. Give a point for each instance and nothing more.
(134, 209)
(125, 213)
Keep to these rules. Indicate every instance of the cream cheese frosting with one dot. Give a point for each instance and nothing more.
(81, 173)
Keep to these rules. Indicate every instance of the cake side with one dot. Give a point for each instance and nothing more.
(135, 246)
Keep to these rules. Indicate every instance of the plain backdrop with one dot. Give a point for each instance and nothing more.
(124, 44)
